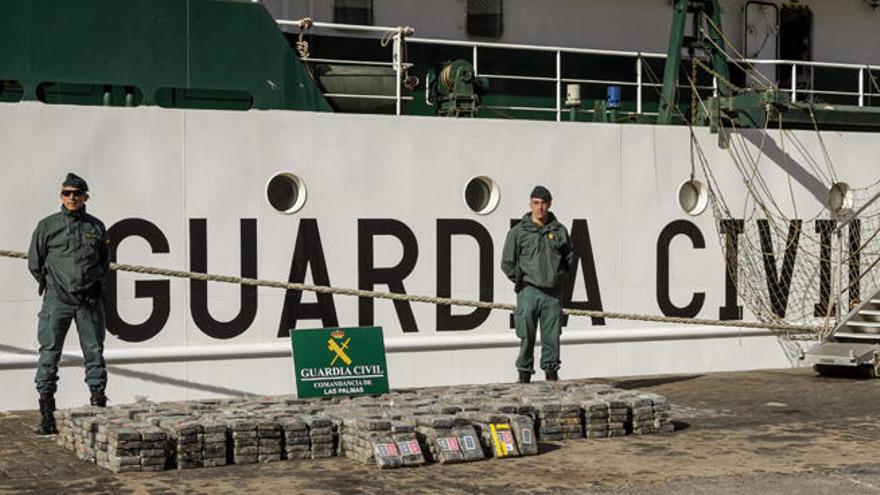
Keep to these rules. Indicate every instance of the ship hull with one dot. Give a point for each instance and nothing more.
(187, 190)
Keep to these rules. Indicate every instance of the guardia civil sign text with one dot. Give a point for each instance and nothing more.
(339, 361)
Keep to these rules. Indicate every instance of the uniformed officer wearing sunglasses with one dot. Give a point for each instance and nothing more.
(69, 258)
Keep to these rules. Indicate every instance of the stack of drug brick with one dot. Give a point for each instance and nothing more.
(495, 434)
(524, 432)
(640, 410)
(65, 428)
(596, 414)
(154, 444)
(662, 414)
(528, 429)
(322, 436)
(85, 429)
(618, 417)
(353, 438)
(369, 440)
(269, 436)
(243, 434)
(437, 439)
(125, 446)
(559, 420)
(450, 424)
(521, 419)
(76, 430)
(615, 405)
(185, 443)
(404, 435)
(154, 414)
(297, 444)
(215, 432)
(387, 442)
(642, 415)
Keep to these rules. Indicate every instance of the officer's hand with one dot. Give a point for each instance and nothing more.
(94, 295)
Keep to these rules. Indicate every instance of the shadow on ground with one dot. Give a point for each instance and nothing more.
(653, 382)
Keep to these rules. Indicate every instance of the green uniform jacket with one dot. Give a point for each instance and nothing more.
(542, 256)
(69, 255)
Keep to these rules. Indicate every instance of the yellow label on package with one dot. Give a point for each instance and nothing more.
(502, 439)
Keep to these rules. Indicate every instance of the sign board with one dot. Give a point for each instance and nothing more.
(339, 361)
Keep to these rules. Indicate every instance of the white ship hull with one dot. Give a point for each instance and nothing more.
(176, 169)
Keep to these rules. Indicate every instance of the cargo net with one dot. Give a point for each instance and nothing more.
(787, 260)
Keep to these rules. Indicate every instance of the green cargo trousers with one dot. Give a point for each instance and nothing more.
(54, 322)
(532, 305)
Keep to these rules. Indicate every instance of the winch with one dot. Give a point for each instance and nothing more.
(454, 89)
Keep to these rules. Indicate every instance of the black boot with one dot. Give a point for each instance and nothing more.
(47, 416)
(524, 377)
(551, 376)
(98, 398)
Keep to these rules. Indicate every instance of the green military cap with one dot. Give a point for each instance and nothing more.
(541, 192)
(75, 181)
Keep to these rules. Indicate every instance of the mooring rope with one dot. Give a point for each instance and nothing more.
(445, 301)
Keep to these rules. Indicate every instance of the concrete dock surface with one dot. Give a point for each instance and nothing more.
(762, 432)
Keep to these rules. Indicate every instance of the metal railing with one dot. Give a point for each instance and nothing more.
(637, 82)
(863, 72)
(401, 36)
(398, 34)
(843, 262)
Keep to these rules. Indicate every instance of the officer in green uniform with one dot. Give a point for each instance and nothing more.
(69, 258)
(537, 258)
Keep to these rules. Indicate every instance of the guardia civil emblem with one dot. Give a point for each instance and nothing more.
(338, 349)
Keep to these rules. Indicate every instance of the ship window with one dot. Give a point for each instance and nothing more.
(353, 12)
(693, 197)
(481, 194)
(484, 18)
(11, 91)
(108, 95)
(286, 192)
(209, 99)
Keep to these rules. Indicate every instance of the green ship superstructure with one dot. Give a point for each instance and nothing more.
(231, 54)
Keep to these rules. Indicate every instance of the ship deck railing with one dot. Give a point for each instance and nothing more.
(863, 78)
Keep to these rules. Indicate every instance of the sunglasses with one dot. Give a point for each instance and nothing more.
(72, 192)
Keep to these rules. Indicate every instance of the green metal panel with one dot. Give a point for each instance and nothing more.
(719, 60)
(677, 41)
(88, 48)
(753, 110)
(673, 62)
(14, 43)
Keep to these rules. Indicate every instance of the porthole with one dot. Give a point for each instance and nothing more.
(481, 194)
(840, 198)
(693, 197)
(286, 192)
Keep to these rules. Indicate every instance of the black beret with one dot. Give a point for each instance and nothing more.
(73, 180)
(541, 192)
